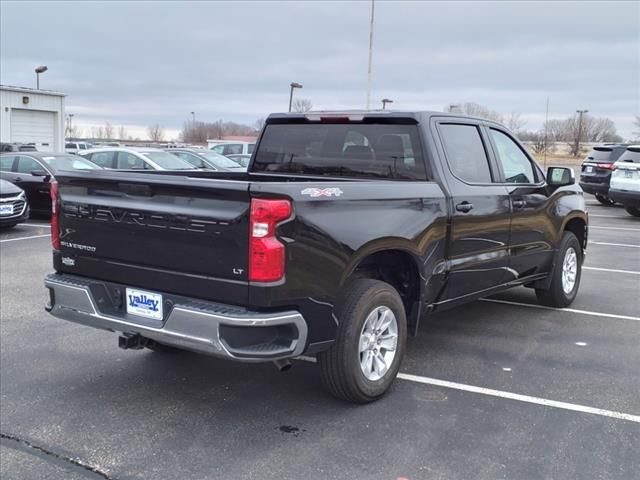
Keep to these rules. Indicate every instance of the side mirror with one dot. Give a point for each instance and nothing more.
(560, 176)
(41, 173)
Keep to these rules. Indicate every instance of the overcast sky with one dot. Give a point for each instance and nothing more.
(138, 63)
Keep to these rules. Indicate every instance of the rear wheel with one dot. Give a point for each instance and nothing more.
(635, 211)
(605, 200)
(365, 358)
(565, 278)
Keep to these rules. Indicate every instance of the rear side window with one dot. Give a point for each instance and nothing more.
(104, 159)
(250, 147)
(128, 161)
(6, 162)
(516, 166)
(386, 151)
(465, 152)
(70, 145)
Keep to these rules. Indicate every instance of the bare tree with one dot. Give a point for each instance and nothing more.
(476, 110)
(122, 133)
(156, 133)
(97, 132)
(108, 131)
(259, 125)
(515, 122)
(301, 105)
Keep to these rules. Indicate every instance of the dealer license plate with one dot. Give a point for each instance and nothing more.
(6, 209)
(144, 304)
(588, 169)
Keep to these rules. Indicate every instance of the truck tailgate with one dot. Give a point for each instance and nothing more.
(156, 232)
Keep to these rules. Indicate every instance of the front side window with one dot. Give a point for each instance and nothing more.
(465, 152)
(232, 149)
(70, 145)
(250, 147)
(194, 160)
(103, 159)
(516, 165)
(28, 165)
(363, 150)
(129, 161)
(167, 161)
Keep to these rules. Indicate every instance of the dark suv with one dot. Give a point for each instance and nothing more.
(596, 170)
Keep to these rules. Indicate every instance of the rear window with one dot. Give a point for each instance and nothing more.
(605, 154)
(360, 150)
(631, 155)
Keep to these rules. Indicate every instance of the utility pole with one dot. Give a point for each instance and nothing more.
(579, 137)
(384, 103)
(193, 127)
(293, 85)
(370, 56)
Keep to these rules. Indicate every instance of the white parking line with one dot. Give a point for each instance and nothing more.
(615, 228)
(520, 398)
(614, 244)
(571, 310)
(609, 216)
(24, 238)
(613, 270)
(511, 396)
(35, 225)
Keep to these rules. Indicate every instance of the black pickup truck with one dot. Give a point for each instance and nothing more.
(348, 230)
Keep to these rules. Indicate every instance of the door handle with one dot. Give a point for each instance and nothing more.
(464, 207)
(519, 203)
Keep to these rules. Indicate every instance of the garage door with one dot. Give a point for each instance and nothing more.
(31, 126)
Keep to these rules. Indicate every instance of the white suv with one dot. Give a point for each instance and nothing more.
(120, 158)
(625, 180)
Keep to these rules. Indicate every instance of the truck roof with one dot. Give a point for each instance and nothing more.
(358, 115)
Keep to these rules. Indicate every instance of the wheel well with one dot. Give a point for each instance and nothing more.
(577, 226)
(400, 270)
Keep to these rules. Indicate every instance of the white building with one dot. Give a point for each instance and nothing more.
(32, 116)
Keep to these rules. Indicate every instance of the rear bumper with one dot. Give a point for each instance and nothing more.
(206, 327)
(595, 188)
(625, 197)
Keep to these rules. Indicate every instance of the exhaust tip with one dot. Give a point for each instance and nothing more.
(282, 365)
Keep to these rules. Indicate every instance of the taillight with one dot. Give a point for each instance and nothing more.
(266, 252)
(55, 215)
(607, 166)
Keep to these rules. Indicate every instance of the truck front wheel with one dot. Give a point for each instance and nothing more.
(365, 358)
(565, 277)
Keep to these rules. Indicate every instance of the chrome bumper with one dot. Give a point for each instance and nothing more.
(196, 325)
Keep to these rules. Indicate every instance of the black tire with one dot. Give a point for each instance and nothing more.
(555, 296)
(8, 226)
(635, 211)
(606, 201)
(340, 367)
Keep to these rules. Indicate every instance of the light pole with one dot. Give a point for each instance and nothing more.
(293, 85)
(579, 137)
(384, 103)
(39, 70)
(370, 56)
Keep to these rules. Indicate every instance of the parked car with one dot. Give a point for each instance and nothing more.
(130, 158)
(328, 248)
(75, 147)
(14, 206)
(17, 147)
(625, 181)
(207, 159)
(230, 147)
(597, 168)
(242, 158)
(33, 172)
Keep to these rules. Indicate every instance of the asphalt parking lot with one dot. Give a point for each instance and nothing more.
(500, 388)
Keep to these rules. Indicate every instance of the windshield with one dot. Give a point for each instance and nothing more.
(220, 160)
(365, 150)
(69, 162)
(167, 161)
